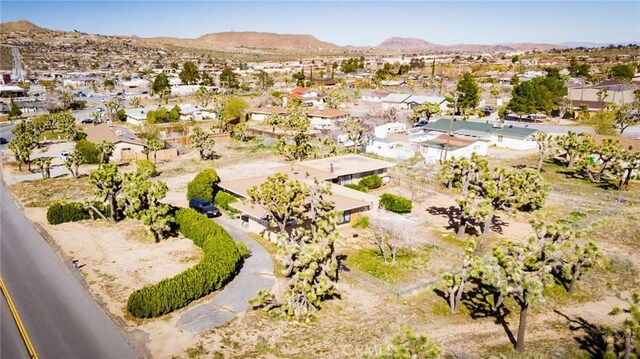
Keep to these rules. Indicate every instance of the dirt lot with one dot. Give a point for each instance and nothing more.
(119, 258)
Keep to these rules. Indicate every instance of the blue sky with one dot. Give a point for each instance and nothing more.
(346, 23)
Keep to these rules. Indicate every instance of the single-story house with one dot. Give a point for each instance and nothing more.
(374, 96)
(414, 101)
(121, 138)
(390, 148)
(326, 118)
(260, 114)
(30, 106)
(396, 100)
(339, 170)
(138, 116)
(498, 134)
(12, 91)
(308, 95)
(392, 127)
(327, 83)
(445, 147)
(135, 83)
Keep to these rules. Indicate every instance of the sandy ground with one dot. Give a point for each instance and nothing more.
(115, 260)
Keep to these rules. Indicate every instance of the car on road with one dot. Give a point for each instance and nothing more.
(205, 207)
(64, 155)
(3, 141)
(87, 121)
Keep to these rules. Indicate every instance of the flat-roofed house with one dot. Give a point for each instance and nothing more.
(500, 135)
(444, 147)
(338, 170)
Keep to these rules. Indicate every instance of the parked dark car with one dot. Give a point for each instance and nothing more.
(3, 140)
(421, 122)
(205, 207)
(87, 121)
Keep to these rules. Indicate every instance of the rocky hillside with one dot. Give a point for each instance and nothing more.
(408, 43)
(19, 26)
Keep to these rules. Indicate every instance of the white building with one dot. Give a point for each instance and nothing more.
(443, 147)
(392, 127)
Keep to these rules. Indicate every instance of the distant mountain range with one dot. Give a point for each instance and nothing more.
(247, 41)
(413, 44)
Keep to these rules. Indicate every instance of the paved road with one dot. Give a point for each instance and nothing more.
(61, 318)
(11, 344)
(256, 274)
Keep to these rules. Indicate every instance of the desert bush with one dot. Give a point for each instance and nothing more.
(67, 212)
(397, 204)
(89, 151)
(243, 250)
(203, 185)
(223, 199)
(363, 222)
(220, 263)
(357, 187)
(146, 167)
(371, 182)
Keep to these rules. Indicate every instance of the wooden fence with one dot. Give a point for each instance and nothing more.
(162, 155)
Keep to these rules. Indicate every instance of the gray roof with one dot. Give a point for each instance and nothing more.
(479, 129)
(395, 97)
(424, 99)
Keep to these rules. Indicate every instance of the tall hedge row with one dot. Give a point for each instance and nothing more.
(219, 264)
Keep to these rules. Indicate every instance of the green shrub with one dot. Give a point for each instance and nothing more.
(356, 186)
(363, 222)
(371, 182)
(219, 264)
(121, 115)
(67, 212)
(89, 151)
(397, 204)
(147, 167)
(223, 199)
(244, 251)
(203, 185)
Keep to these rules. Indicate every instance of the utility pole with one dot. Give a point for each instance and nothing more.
(455, 108)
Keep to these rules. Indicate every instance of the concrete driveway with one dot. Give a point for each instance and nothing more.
(256, 274)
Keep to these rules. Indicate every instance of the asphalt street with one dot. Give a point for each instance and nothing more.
(11, 344)
(60, 316)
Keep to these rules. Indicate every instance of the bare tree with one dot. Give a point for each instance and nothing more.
(389, 238)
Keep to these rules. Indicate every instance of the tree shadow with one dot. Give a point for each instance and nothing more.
(479, 301)
(452, 213)
(592, 341)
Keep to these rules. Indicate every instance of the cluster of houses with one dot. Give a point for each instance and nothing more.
(445, 138)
